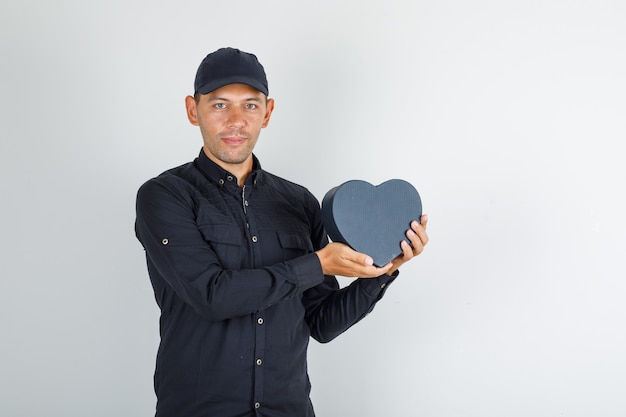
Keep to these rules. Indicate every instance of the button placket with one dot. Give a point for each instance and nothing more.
(259, 363)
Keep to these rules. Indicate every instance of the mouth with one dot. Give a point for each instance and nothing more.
(233, 139)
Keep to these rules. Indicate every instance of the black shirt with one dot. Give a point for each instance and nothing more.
(240, 291)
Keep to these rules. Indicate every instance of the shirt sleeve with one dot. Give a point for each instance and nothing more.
(330, 310)
(177, 252)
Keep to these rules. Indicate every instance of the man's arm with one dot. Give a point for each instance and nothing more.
(178, 253)
(331, 311)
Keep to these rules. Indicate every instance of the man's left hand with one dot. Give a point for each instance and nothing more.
(418, 239)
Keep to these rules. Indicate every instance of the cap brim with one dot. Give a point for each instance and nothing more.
(215, 84)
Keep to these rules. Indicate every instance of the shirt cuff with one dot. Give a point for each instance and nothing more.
(308, 271)
(376, 287)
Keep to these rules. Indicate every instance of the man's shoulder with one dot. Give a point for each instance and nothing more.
(174, 179)
(282, 184)
(181, 171)
(186, 172)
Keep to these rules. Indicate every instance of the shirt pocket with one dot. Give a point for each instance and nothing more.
(225, 241)
(295, 243)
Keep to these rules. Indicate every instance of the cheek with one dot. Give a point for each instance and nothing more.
(259, 120)
(207, 127)
(210, 121)
(211, 117)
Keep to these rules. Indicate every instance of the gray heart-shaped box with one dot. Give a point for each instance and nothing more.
(371, 219)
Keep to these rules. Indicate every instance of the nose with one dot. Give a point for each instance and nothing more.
(236, 118)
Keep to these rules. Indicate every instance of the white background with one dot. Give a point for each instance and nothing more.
(507, 116)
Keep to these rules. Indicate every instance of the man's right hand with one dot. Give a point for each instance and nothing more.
(340, 259)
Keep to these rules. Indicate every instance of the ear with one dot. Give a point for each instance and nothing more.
(268, 113)
(192, 110)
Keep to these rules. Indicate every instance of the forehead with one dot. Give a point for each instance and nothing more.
(236, 91)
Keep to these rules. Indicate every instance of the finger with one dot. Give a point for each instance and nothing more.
(372, 271)
(407, 250)
(358, 258)
(415, 237)
(424, 220)
(423, 236)
(420, 230)
(378, 271)
(363, 264)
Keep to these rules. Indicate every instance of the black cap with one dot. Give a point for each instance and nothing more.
(230, 66)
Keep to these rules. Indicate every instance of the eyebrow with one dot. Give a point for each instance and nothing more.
(226, 99)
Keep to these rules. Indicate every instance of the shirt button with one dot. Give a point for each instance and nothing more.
(257, 405)
(260, 320)
(221, 181)
(259, 362)
(246, 203)
(383, 286)
(254, 239)
(165, 241)
(229, 178)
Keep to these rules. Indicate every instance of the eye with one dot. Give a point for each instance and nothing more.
(251, 106)
(220, 105)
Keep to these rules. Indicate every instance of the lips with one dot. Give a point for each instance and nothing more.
(233, 139)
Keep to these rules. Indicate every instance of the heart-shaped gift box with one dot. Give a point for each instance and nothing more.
(371, 219)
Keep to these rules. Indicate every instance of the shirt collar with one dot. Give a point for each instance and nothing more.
(220, 176)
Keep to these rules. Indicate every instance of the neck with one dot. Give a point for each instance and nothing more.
(240, 170)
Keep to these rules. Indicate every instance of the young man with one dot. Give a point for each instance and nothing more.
(240, 263)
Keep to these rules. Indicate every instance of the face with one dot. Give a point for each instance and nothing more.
(230, 120)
